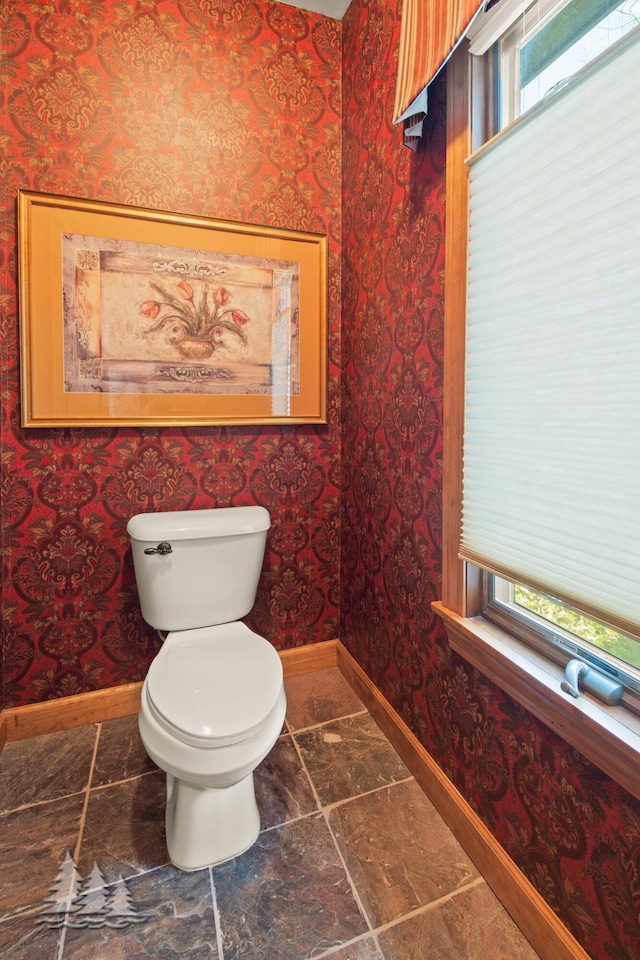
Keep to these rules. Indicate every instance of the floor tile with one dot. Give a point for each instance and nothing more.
(472, 924)
(22, 939)
(317, 697)
(120, 754)
(282, 787)
(179, 921)
(33, 844)
(399, 852)
(365, 949)
(46, 767)
(287, 897)
(348, 757)
(124, 830)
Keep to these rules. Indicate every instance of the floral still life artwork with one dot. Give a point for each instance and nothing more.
(194, 322)
(145, 318)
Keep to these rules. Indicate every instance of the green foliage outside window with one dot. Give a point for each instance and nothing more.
(617, 644)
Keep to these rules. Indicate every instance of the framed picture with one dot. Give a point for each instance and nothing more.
(135, 317)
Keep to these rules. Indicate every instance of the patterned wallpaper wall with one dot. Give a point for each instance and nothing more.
(225, 108)
(574, 832)
(232, 108)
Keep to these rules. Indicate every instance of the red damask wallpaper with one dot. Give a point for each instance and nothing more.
(249, 110)
(574, 832)
(226, 108)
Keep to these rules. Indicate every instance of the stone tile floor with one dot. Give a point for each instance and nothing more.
(353, 862)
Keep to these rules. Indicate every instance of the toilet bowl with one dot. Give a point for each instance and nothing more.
(213, 702)
(213, 706)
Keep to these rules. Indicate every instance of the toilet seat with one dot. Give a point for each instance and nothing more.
(214, 686)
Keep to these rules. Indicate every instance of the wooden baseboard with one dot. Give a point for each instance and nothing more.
(315, 656)
(539, 924)
(35, 719)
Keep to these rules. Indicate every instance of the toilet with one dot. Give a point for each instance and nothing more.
(213, 701)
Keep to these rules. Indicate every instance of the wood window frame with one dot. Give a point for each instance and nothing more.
(608, 736)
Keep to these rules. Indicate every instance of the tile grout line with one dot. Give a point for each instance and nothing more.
(396, 921)
(81, 825)
(427, 907)
(42, 803)
(216, 915)
(32, 909)
(47, 801)
(118, 783)
(338, 948)
(326, 811)
(332, 806)
(69, 796)
(324, 723)
(87, 792)
(368, 793)
(319, 810)
(322, 810)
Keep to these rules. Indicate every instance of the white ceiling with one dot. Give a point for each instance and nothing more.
(330, 8)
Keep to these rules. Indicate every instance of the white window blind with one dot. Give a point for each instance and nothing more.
(551, 491)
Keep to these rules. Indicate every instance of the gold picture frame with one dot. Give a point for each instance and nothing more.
(136, 317)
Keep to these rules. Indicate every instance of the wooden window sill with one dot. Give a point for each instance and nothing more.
(608, 736)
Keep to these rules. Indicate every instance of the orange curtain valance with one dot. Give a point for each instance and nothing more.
(429, 31)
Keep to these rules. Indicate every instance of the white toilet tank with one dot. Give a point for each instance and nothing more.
(198, 568)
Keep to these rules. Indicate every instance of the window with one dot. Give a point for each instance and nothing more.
(552, 339)
(545, 47)
(554, 627)
(547, 510)
(552, 41)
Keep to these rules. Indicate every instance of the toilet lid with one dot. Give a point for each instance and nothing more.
(214, 683)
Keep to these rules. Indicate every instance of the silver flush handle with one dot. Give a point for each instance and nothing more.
(163, 549)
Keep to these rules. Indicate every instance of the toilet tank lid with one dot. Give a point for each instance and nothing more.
(193, 524)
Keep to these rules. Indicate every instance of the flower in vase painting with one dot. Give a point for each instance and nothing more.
(195, 319)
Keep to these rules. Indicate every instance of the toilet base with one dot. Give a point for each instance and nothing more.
(207, 826)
